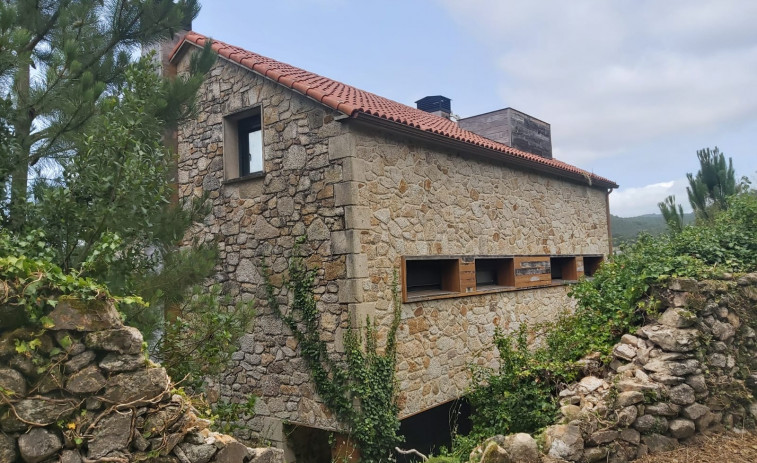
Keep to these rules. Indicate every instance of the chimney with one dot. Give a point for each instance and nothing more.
(164, 48)
(512, 128)
(437, 105)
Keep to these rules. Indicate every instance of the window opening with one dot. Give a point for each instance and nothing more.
(250, 145)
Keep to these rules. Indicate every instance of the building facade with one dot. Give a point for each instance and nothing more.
(482, 235)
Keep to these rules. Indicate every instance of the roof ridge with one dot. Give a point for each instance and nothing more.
(352, 101)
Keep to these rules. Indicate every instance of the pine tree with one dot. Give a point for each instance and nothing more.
(672, 213)
(58, 58)
(713, 184)
(708, 190)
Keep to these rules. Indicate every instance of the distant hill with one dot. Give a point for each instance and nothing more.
(627, 228)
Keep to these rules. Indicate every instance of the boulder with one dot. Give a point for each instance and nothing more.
(695, 411)
(591, 384)
(564, 441)
(266, 455)
(70, 456)
(662, 409)
(630, 435)
(12, 380)
(126, 340)
(627, 398)
(682, 394)
(119, 363)
(681, 428)
(80, 361)
(683, 284)
(111, 433)
(698, 383)
(672, 367)
(197, 453)
(140, 386)
(659, 443)
(723, 331)
(38, 444)
(677, 317)
(671, 339)
(233, 452)
(650, 424)
(522, 448)
(74, 314)
(625, 352)
(627, 415)
(8, 451)
(44, 412)
(603, 437)
(595, 454)
(86, 381)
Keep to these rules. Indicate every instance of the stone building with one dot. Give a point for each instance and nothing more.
(483, 235)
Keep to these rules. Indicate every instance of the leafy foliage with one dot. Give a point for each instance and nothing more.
(203, 334)
(361, 390)
(519, 396)
(33, 284)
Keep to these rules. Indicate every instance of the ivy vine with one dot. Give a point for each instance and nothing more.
(360, 389)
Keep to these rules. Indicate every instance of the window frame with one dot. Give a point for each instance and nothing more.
(236, 129)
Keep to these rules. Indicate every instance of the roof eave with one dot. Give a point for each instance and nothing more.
(480, 151)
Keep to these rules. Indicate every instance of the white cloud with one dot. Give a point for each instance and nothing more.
(630, 202)
(610, 75)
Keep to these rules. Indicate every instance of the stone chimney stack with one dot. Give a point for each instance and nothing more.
(437, 105)
(164, 48)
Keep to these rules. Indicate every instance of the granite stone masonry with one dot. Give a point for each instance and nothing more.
(92, 395)
(672, 380)
(359, 200)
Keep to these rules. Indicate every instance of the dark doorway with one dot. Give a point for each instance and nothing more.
(431, 430)
(310, 445)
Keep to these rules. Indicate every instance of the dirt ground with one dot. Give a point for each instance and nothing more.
(720, 448)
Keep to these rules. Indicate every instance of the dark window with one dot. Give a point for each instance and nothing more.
(494, 272)
(563, 268)
(250, 145)
(428, 276)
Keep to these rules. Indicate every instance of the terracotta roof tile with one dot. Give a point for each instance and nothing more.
(352, 101)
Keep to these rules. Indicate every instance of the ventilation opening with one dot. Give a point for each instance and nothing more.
(429, 431)
(563, 268)
(591, 265)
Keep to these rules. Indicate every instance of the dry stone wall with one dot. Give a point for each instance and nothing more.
(85, 392)
(691, 371)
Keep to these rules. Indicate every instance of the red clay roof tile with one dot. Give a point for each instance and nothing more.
(352, 101)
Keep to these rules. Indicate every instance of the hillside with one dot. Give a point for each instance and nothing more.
(627, 228)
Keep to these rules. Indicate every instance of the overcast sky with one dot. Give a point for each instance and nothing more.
(632, 88)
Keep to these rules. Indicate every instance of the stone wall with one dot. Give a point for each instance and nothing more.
(361, 200)
(688, 372)
(83, 391)
(412, 200)
(257, 220)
